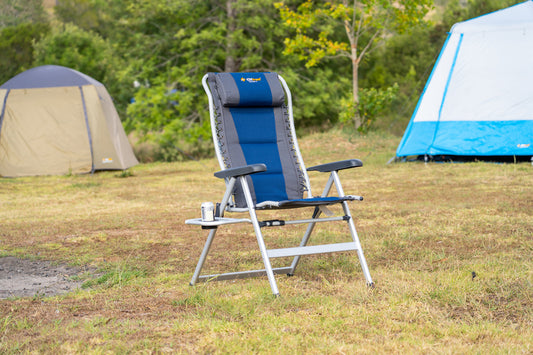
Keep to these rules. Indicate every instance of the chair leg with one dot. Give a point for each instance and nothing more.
(304, 241)
(259, 235)
(263, 249)
(211, 236)
(311, 226)
(355, 238)
(203, 256)
(353, 231)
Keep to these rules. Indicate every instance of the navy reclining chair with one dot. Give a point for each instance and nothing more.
(255, 143)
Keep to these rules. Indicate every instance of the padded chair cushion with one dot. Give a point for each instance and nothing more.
(250, 89)
(249, 134)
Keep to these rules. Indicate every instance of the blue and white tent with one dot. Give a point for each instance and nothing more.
(478, 100)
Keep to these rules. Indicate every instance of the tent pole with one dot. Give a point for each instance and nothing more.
(3, 111)
(88, 128)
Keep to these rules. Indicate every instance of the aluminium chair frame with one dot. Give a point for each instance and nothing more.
(232, 175)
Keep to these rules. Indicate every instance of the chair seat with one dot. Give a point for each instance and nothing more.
(306, 202)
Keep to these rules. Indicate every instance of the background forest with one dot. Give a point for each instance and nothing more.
(152, 54)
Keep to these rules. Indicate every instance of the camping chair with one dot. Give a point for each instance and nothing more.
(255, 143)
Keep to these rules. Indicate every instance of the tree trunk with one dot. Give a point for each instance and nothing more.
(353, 38)
(355, 85)
(230, 64)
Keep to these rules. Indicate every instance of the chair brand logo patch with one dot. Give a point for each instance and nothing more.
(250, 80)
(522, 145)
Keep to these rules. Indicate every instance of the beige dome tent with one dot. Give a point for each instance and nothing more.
(55, 120)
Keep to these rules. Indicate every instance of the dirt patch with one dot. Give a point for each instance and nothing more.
(28, 278)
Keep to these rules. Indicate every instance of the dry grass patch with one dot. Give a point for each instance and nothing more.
(424, 229)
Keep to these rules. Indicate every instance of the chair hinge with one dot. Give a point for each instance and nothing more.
(346, 218)
(271, 223)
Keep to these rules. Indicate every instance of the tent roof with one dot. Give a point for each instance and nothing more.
(49, 76)
(520, 15)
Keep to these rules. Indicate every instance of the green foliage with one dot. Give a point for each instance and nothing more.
(334, 28)
(118, 277)
(87, 52)
(191, 39)
(72, 47)
(87, 14)
(405, 59)
(349, 29)
(125, 174)
(331, 49)
(372, 102)
(316, 94)
(170, 119)
(21, 22)
(16, 12)
(16, 50)
(315, 30)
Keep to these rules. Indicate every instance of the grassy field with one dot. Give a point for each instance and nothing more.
(424, 230)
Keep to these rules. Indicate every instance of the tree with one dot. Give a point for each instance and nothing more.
(407, 58)
(318, 27)
(90, 15)
(21, 23)
(186, 40)
(72, 47)
(85, 51)
(167, 46)
(15, 12)
(16, 47)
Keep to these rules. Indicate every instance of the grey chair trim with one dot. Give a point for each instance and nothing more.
(336, 166)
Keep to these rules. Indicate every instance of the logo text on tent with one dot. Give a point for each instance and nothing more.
(523, 145)
(107, 160)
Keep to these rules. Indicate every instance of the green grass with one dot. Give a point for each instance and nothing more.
(424, 230)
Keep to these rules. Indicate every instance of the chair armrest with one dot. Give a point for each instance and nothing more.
(241, 170)
(338, 165)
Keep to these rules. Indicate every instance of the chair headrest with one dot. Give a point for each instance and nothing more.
(249, 89)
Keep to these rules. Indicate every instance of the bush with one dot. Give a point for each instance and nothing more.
(371, 103)
(170, 124)
(16, 48)
(88, 53)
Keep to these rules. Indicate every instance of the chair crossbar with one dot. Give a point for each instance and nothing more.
(279, 223)
(313, 249)
(242, 274)
(221, 221)
(317, 220)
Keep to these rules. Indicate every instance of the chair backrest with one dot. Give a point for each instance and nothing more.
(251, 124)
